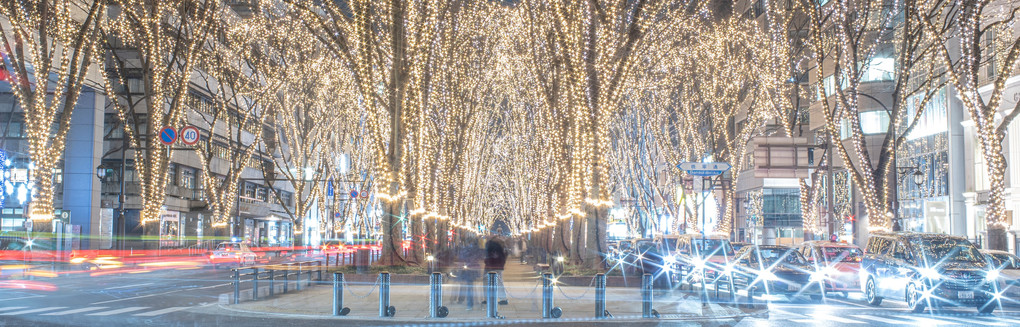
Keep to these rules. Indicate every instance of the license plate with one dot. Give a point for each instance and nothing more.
(965, 295)
(792, 287)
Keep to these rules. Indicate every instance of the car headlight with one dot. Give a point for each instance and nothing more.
(930, 273)
(992, 275)
(818, 276)
(698, 264)
(768, 275)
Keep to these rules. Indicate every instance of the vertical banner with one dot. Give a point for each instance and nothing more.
(106, 228)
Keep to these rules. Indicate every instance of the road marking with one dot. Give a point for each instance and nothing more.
(923, 320)
(113, 312)
(150, 295)
(11, 313)
(883, 320)
(159, 312)
(823, 317)
(61, 313)
(11, 308)
(23, 297)
(126, 286)
(975, 320)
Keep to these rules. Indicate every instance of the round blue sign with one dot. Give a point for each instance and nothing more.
(354, 194)
(167, 135)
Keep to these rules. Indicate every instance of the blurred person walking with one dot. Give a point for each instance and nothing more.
(495, 260)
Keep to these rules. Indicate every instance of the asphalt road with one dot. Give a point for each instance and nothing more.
(190, 298)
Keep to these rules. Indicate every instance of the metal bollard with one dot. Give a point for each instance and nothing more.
(237, 286)
(298, 278)
(548, 308)
(600, 296)
(338, 295)
(646, 296)
(255, 285)
(385, 309)
(272, 280)
(436, 308)
(490, 295)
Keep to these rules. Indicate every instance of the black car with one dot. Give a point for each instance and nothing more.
(926, 270)
(774, 270)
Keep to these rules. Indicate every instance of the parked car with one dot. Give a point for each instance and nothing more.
(926, 270)
(232, 253)
(630, 257)
(838, 263)
(15, 248)
(738, 245)
(698, 256)
(775, 270)
(1007, 273)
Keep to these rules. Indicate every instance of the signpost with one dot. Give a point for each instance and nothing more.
(190, 135)
(704, 169)
(167, 135)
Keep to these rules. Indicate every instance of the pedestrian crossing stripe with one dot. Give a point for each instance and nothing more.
(113, 312)
(11, 313)
(975, 320)
(11, 308)
(835, 318)
(62, 313)
(159, 312)
(882, 320)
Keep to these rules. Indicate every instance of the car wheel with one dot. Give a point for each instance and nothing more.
(871, 293)
(914, 301)
(986, 308)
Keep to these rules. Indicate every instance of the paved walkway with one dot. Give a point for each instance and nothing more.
(523, 288)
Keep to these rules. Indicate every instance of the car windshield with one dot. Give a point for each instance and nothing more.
(770, 256)
(1004, 261)
(841, 254)
(947, 249)
(331, 243)
(713, 247)
(228, 246)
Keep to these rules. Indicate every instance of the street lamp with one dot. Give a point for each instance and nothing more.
(918, 178)
(102, 171)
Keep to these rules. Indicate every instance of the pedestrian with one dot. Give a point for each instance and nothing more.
(495, 261)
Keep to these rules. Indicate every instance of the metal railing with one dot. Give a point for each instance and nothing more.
(270, 273)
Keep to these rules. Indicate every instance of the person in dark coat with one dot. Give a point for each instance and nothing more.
(495, 260)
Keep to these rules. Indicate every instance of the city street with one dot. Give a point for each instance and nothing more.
(190, 298)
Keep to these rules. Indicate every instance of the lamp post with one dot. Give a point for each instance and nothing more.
(918, 178)
(101, 172)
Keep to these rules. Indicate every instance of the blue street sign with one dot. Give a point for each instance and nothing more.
(329, 189)
(704, 169)
(167, 135)
(354, 194)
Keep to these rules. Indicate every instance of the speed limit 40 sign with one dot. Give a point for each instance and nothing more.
(190, 135)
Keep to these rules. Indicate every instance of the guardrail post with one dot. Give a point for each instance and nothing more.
(286, 280)
(436, 308)
(255, 284)
(600, 296)
(272, 280)
(646, 295)
(298, 278)
(319, 270)
(338, 295)
(237, 286)
(490, 295)
(385, 309)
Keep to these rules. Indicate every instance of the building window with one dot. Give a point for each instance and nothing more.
(187, 177)
(263, 194)
(172, 174)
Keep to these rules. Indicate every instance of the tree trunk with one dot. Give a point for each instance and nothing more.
(995, 211)
(595, 240)
(391, 234)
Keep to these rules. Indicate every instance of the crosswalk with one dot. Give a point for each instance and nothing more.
(88, 311)
(903, 319)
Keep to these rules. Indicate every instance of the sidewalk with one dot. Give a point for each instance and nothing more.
(525, 301)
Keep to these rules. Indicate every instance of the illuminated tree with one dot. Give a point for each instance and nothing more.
(871, 55)
(988, 50)
(158, 42)
(51, 46)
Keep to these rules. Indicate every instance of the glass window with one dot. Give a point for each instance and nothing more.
(841, 254)
(874, 122)
(172, 174)
(938, 249)
(879, 69)
(187, 177)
